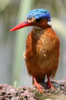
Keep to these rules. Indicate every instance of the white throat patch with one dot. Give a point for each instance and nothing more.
(49, 23)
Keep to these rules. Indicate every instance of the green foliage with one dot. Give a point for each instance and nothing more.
(15, 84)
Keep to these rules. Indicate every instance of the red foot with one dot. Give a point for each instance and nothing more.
(38, 86)
(50, 84)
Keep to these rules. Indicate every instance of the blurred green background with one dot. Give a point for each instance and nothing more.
(12, 44)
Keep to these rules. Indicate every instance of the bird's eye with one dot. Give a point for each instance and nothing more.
(38, 20)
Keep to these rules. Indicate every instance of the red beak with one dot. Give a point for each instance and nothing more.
(21, 25)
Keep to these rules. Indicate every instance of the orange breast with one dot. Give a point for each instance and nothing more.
(42, 52)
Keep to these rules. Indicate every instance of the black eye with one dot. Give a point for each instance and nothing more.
(29, 19)
(38, 20)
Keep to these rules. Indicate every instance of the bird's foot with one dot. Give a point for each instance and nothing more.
(38, 86)
(50, 85)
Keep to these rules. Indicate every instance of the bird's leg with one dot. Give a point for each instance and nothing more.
(50, 85)
(38, 86)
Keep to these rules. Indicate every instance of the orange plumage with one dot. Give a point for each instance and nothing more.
(42, 47)
(42, 53)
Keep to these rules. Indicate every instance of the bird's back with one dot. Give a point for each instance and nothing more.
(42, 52)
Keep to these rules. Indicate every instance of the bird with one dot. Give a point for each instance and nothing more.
(42, 47)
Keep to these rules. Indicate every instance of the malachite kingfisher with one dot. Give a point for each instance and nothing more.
(42, 47)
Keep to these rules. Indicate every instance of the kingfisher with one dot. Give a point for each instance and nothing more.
(42, 47)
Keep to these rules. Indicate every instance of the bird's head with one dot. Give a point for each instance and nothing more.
(37, 17)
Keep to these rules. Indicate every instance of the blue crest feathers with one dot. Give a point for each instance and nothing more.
(39, 14)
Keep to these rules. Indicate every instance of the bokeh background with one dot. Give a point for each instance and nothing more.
(12, 44)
